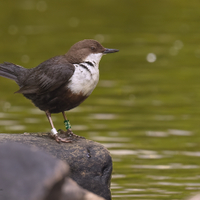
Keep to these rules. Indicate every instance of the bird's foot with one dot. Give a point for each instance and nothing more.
(70, 134)
(55, 135)
(60, 139)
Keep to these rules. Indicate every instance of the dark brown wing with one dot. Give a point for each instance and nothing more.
(47, 76)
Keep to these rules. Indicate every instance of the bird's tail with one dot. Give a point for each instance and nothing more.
(12, 71)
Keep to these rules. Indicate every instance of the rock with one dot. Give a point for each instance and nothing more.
(40, 178)
(90, 162)
(71, 191)
(27, 173)
(195, 197)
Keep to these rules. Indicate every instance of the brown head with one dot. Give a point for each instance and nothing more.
(82, 49)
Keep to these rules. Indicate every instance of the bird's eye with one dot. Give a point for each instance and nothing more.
(93, 48)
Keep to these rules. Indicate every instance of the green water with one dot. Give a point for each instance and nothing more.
(145, 109)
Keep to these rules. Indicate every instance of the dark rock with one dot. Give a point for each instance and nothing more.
(24, 178)
(90, 162)
(40, 178)
(72, 191)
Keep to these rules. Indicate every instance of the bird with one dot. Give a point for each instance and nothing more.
(60, 83)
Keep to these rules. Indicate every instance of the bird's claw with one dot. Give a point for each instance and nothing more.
(60, 139)
(70, 134)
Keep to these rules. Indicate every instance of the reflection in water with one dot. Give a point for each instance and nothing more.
(178, 184)
(104, 116)
(169, 132)
(36, 111)
(138, 195)
(80, 127)
(123, 152)
(7, 122)
(16, 128)
(170, 166)
(187, 153)
(113, 145)
(118, 176)
(31, 120)
(113, 139)
(107, 83)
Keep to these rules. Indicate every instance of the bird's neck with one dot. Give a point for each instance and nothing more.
(90, 64)
(94, 58)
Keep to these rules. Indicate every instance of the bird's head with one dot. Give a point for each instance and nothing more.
(87, 50)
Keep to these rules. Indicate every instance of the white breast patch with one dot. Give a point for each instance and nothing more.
(85, 77)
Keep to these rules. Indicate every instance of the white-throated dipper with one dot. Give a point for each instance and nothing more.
(62, 82)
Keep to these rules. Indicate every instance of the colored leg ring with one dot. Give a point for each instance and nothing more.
(67, 124)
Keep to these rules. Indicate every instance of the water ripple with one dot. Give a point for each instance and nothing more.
(170, 166)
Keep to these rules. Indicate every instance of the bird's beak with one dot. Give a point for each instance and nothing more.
(110, 51)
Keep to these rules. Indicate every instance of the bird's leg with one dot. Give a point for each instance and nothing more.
(68, 127)
(54, 132)
(66, 122)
